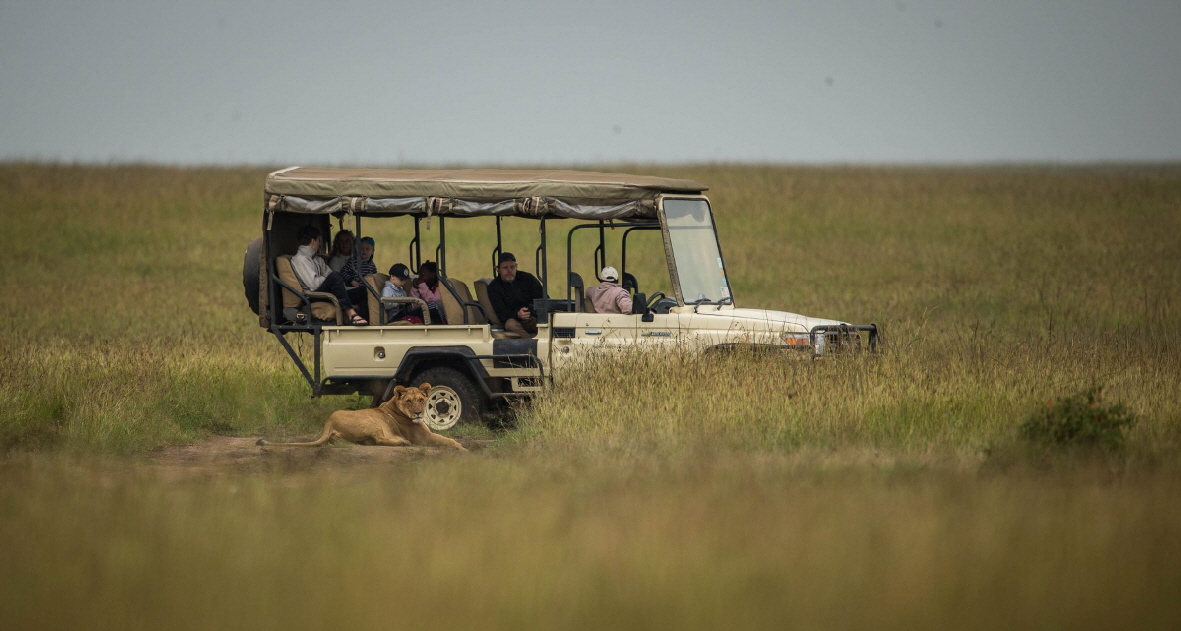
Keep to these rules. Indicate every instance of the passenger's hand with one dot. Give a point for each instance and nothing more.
(523, 314)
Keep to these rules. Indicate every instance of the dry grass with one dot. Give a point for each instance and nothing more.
(725, 542)
(736, 491)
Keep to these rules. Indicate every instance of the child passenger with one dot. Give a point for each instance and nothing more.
(396, 287)
(354, 271)
(426, 286)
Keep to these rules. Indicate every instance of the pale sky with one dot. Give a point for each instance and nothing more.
(486, 83)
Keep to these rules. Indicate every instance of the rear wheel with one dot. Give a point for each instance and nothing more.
(453, 398)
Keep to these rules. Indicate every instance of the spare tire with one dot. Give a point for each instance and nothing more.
(250, 272)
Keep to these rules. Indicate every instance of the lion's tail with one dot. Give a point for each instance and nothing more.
(324, 438)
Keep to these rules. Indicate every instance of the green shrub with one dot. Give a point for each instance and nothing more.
(1081, 419)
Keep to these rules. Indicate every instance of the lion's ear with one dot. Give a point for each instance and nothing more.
(398, 390)
(426, 388)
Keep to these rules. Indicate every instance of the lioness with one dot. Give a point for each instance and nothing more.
(395, 423)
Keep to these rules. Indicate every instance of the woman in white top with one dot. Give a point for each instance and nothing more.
(315, 275)
(342, 250)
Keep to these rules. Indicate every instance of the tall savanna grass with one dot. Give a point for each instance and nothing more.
(648, 489)
(961, 400)
(125, 324)
(997, 288)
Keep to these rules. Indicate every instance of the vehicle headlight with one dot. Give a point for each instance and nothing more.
(797, 340)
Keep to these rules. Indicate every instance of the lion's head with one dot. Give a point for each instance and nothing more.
(410, 402)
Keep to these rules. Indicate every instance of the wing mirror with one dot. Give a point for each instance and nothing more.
(640, 306)
(639, 303)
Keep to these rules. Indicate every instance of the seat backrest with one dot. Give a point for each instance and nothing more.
(287, 275)
(576, 286)
(474, 315)
(452, 310)
(629, 283)
(376, 281)
(482, 297)
(291, 301)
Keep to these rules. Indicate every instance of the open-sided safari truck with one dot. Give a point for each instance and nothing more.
(471, 360)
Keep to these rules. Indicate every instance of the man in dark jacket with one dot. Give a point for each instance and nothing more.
(512, 293)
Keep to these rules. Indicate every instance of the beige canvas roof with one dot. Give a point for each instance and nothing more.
(470, 192)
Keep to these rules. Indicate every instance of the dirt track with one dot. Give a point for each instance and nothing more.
(222, 454)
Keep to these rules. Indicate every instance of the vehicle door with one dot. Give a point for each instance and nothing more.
(579, 335)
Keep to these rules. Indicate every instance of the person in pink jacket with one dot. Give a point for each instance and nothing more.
(426, 286)
(609, 297)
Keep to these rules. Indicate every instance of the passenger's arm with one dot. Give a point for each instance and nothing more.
(392, 309)
(623, 300)
(306, 272)
(322, 270)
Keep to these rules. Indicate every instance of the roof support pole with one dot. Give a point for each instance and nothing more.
(623, 246)
(441, 249)
(600, 252)
(570, 254)
(356, 245)
(498, 250)
(569, 260)
(540, 261)
(416, 247)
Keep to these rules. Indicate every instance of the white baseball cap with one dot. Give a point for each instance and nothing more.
(609, 273)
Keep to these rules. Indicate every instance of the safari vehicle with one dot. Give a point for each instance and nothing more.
(471, 360)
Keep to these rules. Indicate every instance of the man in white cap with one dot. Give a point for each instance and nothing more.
(609, 297)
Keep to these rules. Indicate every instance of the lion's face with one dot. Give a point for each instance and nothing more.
(411, 402)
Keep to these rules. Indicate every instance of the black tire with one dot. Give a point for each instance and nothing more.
(450, 389)
(250, 273)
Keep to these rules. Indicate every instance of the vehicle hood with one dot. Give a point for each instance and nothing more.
(771, 320)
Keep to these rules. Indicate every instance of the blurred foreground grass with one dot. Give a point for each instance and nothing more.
(498, 543)
(703, 492)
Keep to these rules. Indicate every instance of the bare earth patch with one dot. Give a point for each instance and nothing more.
(221, 454)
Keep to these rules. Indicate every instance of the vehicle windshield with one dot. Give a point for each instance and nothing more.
(695, 251)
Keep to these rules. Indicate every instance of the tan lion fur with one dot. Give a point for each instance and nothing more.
(395, 423)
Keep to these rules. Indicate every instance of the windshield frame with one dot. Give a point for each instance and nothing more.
(670, 255)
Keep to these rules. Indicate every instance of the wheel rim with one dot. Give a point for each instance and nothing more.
(443, 408)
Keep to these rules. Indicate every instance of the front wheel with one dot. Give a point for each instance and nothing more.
(453, 398)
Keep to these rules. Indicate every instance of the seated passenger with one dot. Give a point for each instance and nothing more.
(609, 297)
(315, 275)
(512, 293)
(354, 271)
(426, 286)
(396, 287)
(342, 250)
